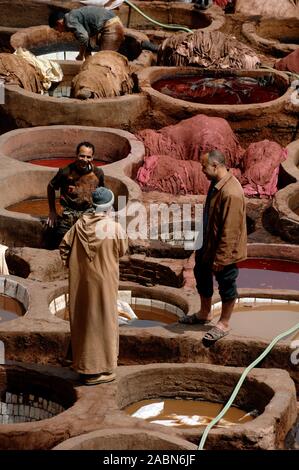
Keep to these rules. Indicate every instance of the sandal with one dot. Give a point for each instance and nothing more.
(98, 379)
(213, 335)
(193, 320)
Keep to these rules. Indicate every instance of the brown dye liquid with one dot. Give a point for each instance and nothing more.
(151, 316)
(10, 308)
(190, 413)
(263, 320)
(34, 207)
(147, 316)
(228, 90)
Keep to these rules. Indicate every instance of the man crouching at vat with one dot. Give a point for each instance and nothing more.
(92, 26)
(92, 249)
(76, 183)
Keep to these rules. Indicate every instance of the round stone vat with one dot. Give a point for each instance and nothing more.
(243, 114)
(36, 12)
(274, 36)
(289, 172)
(26, 109)
(125, 439)
(152, 306)
(212, 90)
(169, 13)
(268, 273)
(261, 393)
(14, 299)
(283, 215)
(23, 229)
(48, 43)
(28, 399)
(57, 144)
(16, 264)
(263, 316)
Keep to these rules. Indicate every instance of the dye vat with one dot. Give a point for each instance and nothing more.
(268, 274)
(59, 162)
(149, 312)
(55, 146)
(275, 36)
(281, 215)
(47, 43)
(228, 90)
(169, 13)
(14, 299)
(26, 408)
(263, 318)
(33, 397)
(148, 316)
(256, 117)
(289, 172)
(34, 207)
(10, 308)
(194, 385)
(182, 413)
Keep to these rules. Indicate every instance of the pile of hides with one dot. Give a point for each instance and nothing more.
(17, 71)
(49, 71)
(105, 74)
(207, 49)
(169, 175)
(290, 63)
(192, 137)
(260, 168)
(172, 158)
(269, 8)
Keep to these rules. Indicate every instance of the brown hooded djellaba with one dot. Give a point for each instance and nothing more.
(91, 249)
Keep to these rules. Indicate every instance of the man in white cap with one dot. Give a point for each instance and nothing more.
(91, 249)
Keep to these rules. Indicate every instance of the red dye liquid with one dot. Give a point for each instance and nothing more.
(228, 90)
(60, 162)
(268, 274)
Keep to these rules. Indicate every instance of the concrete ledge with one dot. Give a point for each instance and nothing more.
(125, 439)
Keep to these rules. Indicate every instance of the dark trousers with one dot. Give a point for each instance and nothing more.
(69, 217)
(226, 279)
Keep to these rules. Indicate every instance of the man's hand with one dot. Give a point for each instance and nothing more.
(52, 220)
(217, 267)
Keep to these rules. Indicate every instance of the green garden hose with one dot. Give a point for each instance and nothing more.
(166, 26)
(240, 382)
